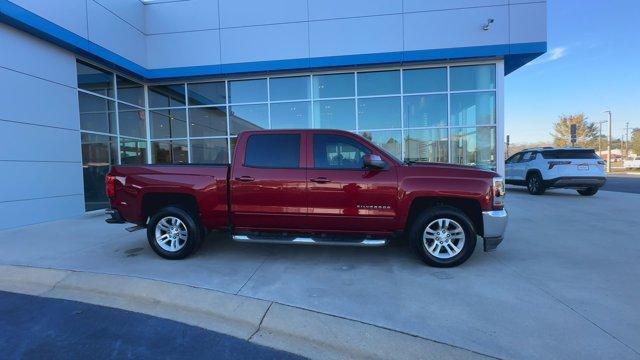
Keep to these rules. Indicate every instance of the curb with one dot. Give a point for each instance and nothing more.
(304, 332)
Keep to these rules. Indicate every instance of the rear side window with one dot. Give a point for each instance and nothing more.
(273, 151)
(570, 154)
(338, 152)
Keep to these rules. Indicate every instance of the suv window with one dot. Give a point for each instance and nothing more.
(570, 154)
(514, 158)
(337, 152)
(528, 156)
(273, 151)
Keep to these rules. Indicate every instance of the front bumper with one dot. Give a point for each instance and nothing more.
(494, 223)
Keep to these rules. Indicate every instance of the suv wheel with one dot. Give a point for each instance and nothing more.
(590, 191)
(174, 233)
(535, 184)
(443, 236)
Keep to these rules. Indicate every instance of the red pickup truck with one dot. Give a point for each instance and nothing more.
(312, 187)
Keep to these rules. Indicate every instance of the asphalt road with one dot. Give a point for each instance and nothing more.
(623, 183)
(42, 328)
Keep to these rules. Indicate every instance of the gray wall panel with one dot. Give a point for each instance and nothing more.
(269, 42)
(430, 5)
(528, 22)
(26, 142)
(181, 16)
(19, 213)
(39, 180)
(332, 9)
(193, 48)
(132, 12)
(234, 13)
(70, 14)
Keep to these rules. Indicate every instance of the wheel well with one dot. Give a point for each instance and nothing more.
(470, 207)
(153, 202)
(533, 171)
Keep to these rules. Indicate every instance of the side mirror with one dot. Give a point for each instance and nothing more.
(372, 161)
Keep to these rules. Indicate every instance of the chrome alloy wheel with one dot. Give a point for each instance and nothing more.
(171, 234)
(443, 238)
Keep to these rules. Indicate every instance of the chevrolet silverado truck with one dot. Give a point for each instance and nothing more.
(326, 187)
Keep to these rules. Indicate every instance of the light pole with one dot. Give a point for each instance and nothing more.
(609, 145)
(600, 136)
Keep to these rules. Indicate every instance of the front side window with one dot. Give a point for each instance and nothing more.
(273, 151)
(338, 152)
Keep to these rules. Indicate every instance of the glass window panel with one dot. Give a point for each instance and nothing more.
(430, 145)
(290, 88)
(133, 151)
(244, 91)
(209, 151)
(469, 109)
(291, 115)
(335, 114)
(130, 91)
(161, 96)
(475, 77)
(334, 85)
(168, 123)
(379, 113)
(208, 121)
(93, 79)
(99, 152)
(131, 121)
(379, 83)
(96, 113)
(425, 110)
(474, 146)
(273, 151)
(169, 152)
(210, 93)
(337, 152)
(389, 140)
(248, 117)
(424, 80)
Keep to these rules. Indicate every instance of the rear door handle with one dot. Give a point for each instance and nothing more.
(320, 180)
(245, 178)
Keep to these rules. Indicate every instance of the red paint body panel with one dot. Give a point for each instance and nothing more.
(366, 201)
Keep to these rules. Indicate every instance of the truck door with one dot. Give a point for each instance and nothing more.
(342, 196)
(268, 182)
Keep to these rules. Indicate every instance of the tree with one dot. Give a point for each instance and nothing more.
(587, 132)
(634, 142)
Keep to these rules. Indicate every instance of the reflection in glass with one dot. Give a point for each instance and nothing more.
(248, 117)
(425, 110)
(333, 85)
(209, 151)
(474, 77)
(96, 113)
(470, 109)
(245, 91)
(168, 123)
(379, 83)
(335, 114)
(474, 146)
(132, 121)
(210, 93)
(291, 115)
(93, 79)
(388, 140)
(99, 152)
(379, 113)
(424, 80)
(169, 152)
(429, 145)
(208, 121)
(290, 88)
(130, 91)
(161, 96)
(133, 151)
(232, 142)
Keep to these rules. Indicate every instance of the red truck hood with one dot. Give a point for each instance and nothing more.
(440, 169)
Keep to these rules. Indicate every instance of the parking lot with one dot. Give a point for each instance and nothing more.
(563, 284)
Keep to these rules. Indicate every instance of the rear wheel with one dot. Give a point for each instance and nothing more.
(535, 184)
(590, 191)
(174, 233)
(443, 236)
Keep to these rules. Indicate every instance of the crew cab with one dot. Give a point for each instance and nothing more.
(312, 187)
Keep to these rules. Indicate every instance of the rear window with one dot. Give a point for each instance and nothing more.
(273, 151)
(570, 154)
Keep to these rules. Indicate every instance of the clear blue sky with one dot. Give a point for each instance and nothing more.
(592, 64)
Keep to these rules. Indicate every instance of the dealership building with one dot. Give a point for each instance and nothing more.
(86, 84)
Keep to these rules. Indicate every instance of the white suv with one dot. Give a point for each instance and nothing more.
(542, 168)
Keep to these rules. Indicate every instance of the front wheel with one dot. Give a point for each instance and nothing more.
(588, 191)
(174, 233)
(535, 184)
(443, 236)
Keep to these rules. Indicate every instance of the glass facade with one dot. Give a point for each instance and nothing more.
(439, 113)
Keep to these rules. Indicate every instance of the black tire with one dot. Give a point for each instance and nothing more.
(430, 216)
(535, 185)
(193, 228)
(590, 191)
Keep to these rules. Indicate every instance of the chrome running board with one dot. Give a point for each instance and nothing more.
(310, 240)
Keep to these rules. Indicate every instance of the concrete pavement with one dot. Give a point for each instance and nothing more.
(561, 285)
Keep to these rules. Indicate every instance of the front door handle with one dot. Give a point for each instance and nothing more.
(320, 180)
(245, 178)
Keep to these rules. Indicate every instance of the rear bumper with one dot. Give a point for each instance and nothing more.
(495, 223)
(115, 218)
(576, 182)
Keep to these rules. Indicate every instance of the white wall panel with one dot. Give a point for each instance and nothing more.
(269, 42)
(39, 180)
(26, 142)
(70, 14)
(19, 213)
(132, 11)
(332, 9)
(180, 49)
(234, 13)
(181, 16)
(528, 22)
(429, 5)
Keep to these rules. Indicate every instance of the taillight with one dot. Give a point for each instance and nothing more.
(498, 193)
(110, 183)
(554, 163)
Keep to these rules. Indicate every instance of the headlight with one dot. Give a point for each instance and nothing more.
(498, 192)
